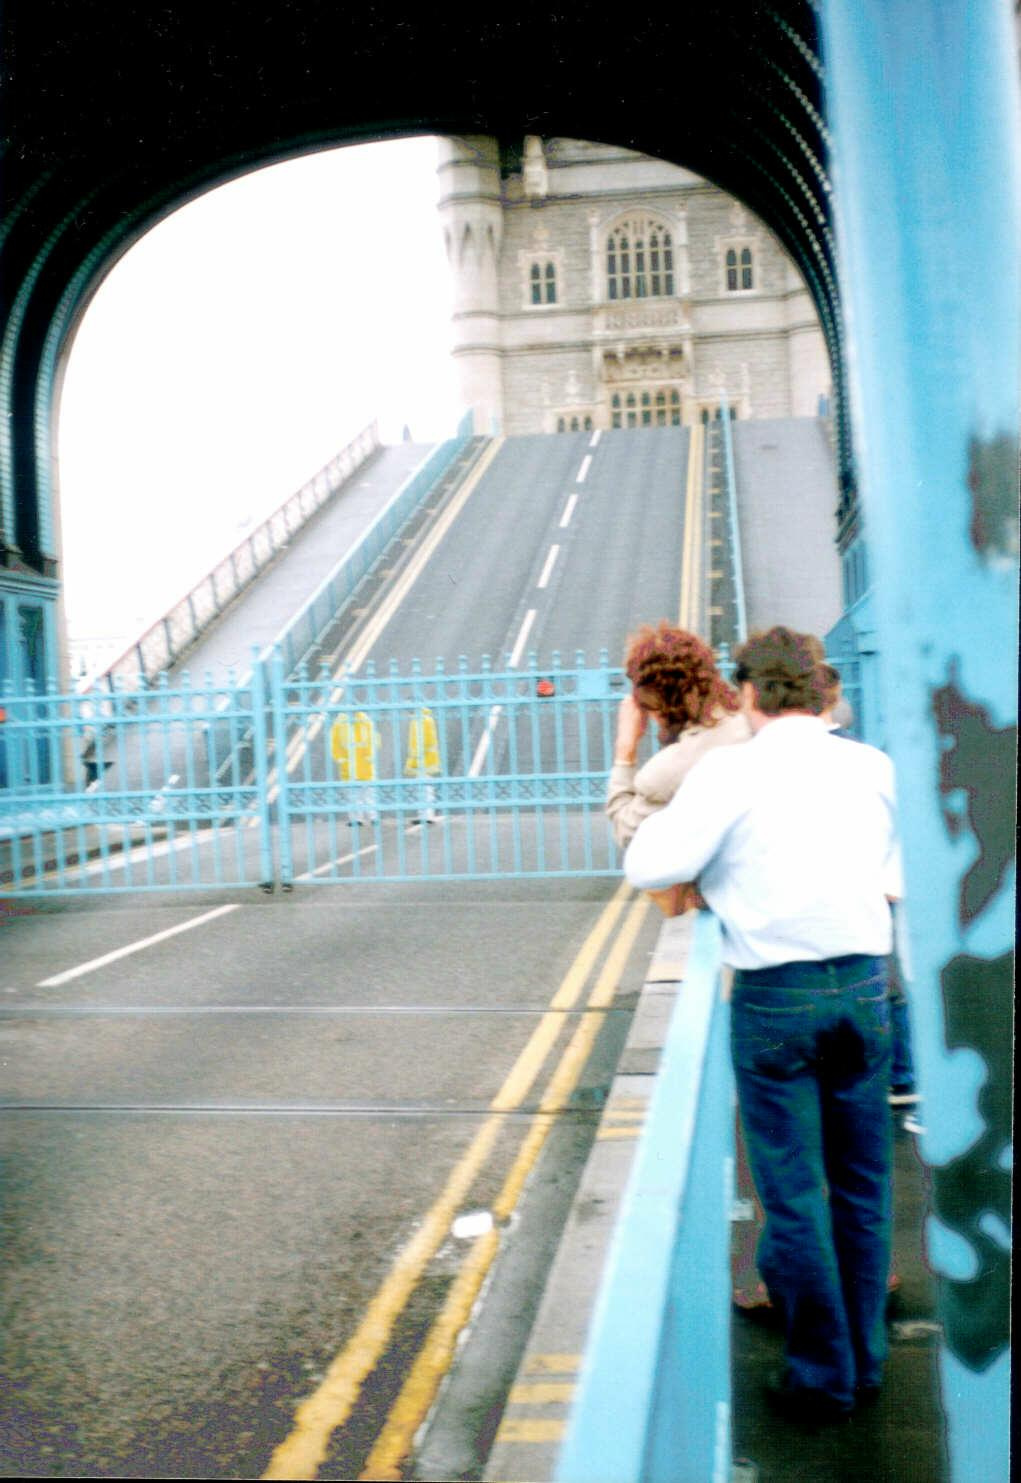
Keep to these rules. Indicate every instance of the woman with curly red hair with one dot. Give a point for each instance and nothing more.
(675, 682)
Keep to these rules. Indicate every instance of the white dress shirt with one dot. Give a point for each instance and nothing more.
(791, 838)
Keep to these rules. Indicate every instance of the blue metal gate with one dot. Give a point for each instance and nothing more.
(467, 773)
(470, 773)
(461, 773)
(163, 789)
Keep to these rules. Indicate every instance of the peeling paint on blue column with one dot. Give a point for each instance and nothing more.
(922, 102)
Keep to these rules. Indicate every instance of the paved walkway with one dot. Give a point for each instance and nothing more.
(900, 1441)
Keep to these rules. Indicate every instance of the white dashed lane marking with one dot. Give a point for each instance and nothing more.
(522, 638)
(554, 552)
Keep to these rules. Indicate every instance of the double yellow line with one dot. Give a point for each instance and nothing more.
(300, 1455)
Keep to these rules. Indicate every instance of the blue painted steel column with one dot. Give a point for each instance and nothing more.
(923, 108)
(278, 706)
(260, 756)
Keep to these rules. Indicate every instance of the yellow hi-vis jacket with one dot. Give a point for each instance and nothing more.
(354, 746)
(423, 745)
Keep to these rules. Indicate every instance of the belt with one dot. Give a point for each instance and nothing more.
(807, 973)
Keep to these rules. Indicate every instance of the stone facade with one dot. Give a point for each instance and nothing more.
(596, 287)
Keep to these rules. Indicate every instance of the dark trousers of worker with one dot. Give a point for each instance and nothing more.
(811, 1046)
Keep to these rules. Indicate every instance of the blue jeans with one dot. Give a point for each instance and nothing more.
(811, 1050)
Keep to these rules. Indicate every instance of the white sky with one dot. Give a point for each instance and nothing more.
(231, 353)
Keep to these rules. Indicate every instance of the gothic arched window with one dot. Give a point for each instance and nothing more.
(639, 260)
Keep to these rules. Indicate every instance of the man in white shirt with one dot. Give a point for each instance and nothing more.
(792, 840)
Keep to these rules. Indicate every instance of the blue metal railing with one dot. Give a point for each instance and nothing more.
(171, 791)
(734, 530)
(472, 772)
(653, 1401)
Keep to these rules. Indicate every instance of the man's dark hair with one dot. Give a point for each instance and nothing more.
(784, 669)
(829, 675)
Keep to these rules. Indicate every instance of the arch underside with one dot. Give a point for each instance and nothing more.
(95, 153)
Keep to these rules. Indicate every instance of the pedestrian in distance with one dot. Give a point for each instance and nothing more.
(792, 840)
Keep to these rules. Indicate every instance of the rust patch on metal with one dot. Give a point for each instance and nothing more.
(972, 1193)
(978, 998)
(992, 483)
(978, 760)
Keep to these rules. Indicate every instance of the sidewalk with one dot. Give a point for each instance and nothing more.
(900, 1441)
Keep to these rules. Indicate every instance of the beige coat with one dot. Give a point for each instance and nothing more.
(634, 793)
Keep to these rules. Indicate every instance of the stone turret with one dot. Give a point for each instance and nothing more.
(471, 213)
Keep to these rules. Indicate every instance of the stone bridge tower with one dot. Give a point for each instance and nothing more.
(597, 287)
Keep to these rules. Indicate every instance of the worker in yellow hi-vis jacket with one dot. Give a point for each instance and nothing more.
(354, 745)
(423, 761)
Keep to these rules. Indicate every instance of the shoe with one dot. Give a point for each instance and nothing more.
(903, 1094)
(805, 1406)
(910, 1124)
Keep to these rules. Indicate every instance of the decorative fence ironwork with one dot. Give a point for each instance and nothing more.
(466, 773)
(165, 789)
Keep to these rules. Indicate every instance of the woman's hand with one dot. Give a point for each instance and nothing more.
(674, 901)
(631, 724)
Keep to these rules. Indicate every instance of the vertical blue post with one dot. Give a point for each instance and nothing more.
(278, 707)
(260, 759)
(923, 109)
